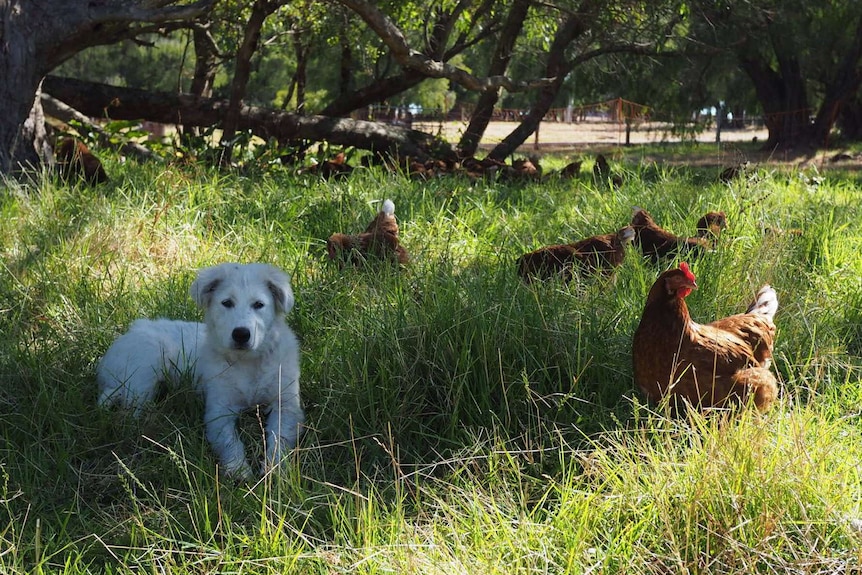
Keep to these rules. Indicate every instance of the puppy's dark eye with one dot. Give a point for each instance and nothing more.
(228, 303)
(258, 305)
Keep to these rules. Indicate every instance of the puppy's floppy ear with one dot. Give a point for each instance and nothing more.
(278, 283)
(206, 282)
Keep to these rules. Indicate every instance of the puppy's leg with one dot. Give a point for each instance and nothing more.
(222, 435)
(283, 426)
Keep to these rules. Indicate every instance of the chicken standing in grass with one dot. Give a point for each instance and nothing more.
(602, 172)
(720, 364)
(655, 242)
(378, 241)
(597, 253)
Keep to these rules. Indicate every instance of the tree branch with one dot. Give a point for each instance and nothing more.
(398, 46)
(102, 100)
(57, 109)
(147, 11)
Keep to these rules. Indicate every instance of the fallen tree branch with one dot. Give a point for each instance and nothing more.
(57, 109)
(105, 101)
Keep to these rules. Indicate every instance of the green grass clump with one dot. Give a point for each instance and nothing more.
(459, 420)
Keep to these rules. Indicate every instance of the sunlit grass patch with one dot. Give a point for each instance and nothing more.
(459, 419)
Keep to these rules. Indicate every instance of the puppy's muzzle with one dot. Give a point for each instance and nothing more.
(240, 337)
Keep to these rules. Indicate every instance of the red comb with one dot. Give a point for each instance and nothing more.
(684, 267)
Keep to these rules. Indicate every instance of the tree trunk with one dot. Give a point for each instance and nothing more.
(132, 104)
(499, 63)
(850, 119)
(300, 78)
(38, 35)
(840, 90)
(345, 63)
(785, 105)
(206, 62)
(23, 143)
(259, 12)
(557, 67)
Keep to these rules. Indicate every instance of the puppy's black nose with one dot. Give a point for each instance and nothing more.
(241, 335)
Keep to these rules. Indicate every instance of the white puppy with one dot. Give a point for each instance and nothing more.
(242, 356)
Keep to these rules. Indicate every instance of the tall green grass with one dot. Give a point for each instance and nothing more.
(458, 419)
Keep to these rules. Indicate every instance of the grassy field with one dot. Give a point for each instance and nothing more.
(459, 421)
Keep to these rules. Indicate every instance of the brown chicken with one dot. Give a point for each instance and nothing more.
(75, 160)
(655, 242)
(597, 253)
(378, 241)
(709, 226)
(731, 173)
(720, 364)
(602, 172)
(336, 168)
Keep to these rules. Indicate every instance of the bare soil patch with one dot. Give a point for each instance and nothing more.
(651, 142)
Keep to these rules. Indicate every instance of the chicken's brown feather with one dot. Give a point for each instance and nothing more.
(601, 253)
(656, 242)
(709, 365)
(379, 240)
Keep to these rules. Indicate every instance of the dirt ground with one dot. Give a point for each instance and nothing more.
(589, 132)
(590, 137)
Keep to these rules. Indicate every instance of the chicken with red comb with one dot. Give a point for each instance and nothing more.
(719, 364)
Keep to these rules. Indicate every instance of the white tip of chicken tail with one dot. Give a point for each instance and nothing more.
(388, 207)
(766, 302)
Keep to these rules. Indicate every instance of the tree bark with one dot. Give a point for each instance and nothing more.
(840, 90)
(131, 104)
(345, 63)
(850, 119)
(206, 61)
(499, 63)
(556, 67)
(785, 104)
(301, 51)
(242, 70)
(22, 144)
(38, 35)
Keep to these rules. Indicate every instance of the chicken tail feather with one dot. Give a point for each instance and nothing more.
(766, 302)
(388, 207)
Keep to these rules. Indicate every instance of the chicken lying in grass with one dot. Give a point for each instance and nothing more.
(594, 254)
(655, 242)
(710, 225)
(720, 364)
(76, 161)
(378, 241)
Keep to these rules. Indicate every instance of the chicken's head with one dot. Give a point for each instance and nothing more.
(711, 223)
(680, 282)
(626, 235)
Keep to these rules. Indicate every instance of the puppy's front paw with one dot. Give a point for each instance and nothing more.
(240, 471)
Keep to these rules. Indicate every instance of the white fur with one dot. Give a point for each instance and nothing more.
(242, 356)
